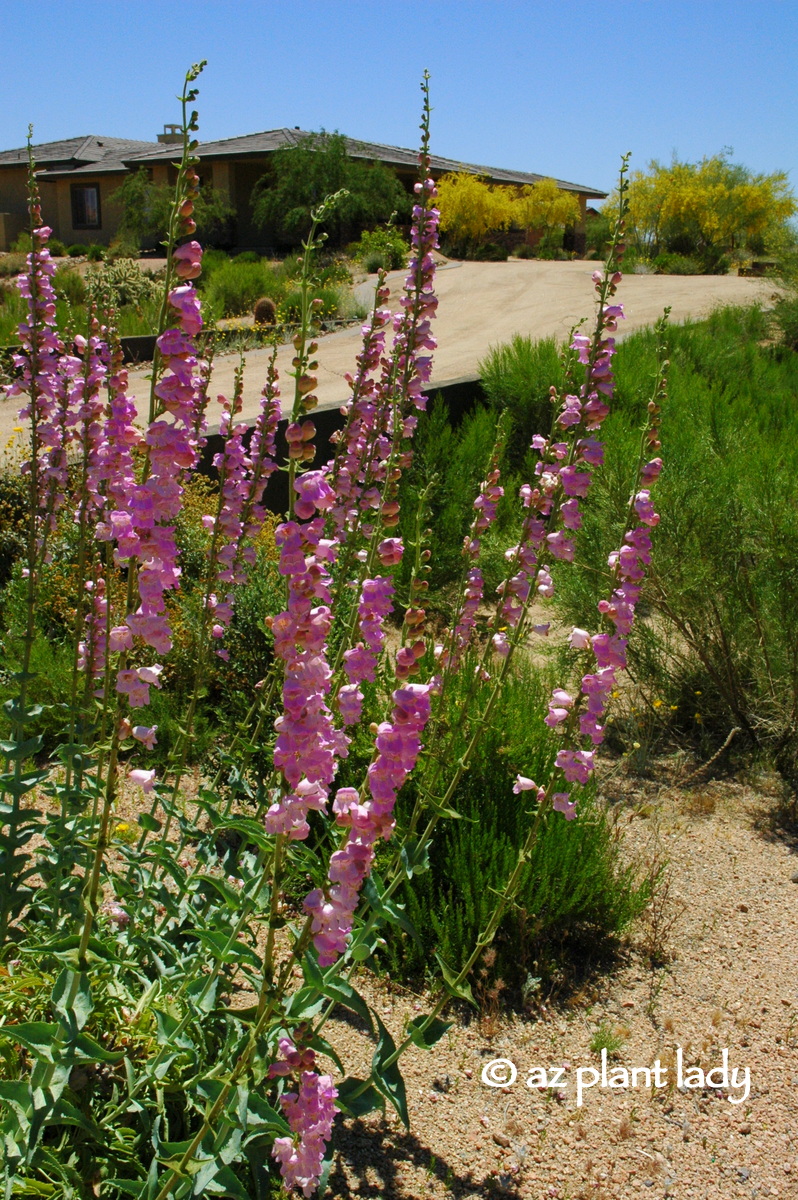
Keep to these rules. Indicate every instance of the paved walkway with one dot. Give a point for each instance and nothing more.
(481, 305)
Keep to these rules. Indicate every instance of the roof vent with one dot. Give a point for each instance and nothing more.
(171, 135)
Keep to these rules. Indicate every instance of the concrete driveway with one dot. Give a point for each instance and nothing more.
(481, 305)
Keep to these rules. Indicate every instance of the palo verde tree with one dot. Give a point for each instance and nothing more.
(545, 207)
(301, 176)
(471, 208)
(707, 209)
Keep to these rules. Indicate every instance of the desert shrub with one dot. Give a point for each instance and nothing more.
(122, 248)
(11, 264)
(335, 302)
(247, 256)
(12, 311)
(57, 248)
(121, 283)
(451, 461)
(380, 249)
(490, 252)
(516, 376)
(95, 253)
(670, 263)
(574, 887)
(524, 251)
(785, 317)
(70, 285)
(76, 250)
(234, 286)
(13, 521)
(721, 646)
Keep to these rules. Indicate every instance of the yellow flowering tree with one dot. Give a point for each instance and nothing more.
(471, 208)
(706, 208)
(546, 207)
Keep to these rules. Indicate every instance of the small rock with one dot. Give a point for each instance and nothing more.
(745, 1127)
(743, 1173)
(786, 1002)
(501, 1139)
(628, 1004)
(794, 877)
(742, 908)
(469, 1074)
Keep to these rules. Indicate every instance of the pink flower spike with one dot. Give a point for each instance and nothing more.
(522, 784)
(579, 639)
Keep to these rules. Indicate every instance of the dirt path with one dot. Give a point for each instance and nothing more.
(728, 981)
(482, 304)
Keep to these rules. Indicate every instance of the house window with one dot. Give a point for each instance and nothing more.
(86, 206)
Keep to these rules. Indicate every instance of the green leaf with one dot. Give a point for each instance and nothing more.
(148, 822)
(387, 909)
(203, 1004)
(22, 750)
(426, 1038)
(388, 1078)
(76, 1013)
(87, 1050)
(415, 857)
(304, 1004)
(36, 1036)
(228, 953)
(166, 1035)
(358, 1097)
(462, 991)
(343, 993)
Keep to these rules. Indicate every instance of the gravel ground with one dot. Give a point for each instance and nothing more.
(724, 933)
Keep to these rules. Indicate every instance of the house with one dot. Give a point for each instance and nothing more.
(76, 179)
(79, 175)
(236, 164)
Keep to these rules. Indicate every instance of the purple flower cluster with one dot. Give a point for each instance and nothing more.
(398, 745)
(310, 1111)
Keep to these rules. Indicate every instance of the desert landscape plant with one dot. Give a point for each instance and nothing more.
(169, 979)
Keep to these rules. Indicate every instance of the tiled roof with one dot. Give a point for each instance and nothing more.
(74, 152)
(259, 144)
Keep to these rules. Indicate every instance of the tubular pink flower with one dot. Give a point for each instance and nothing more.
(398, 745)
(310, 1112)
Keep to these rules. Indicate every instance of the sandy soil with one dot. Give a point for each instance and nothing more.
(725, 928)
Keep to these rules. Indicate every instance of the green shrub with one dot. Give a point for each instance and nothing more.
(516, 376)
(11, 264)
(785, 316)
(123, 248)
(57, 248)
(720, 647)
(575, 891)
(380, 249)
(677, 264)
(247, 256)
(70, 285)
(76, 250)
(95, 253)
(234, 286)
(455, 461)
(122, 283)
(490, 252)
(524, 251)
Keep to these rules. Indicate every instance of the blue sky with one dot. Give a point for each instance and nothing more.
(562, 87)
